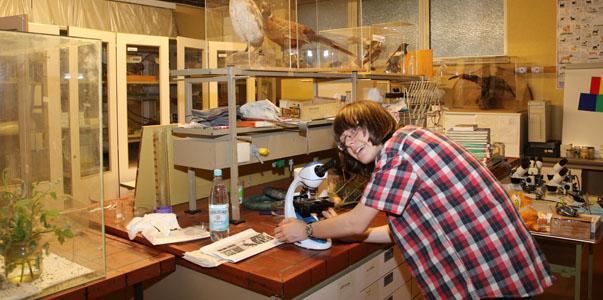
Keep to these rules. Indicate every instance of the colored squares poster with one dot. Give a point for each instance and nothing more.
(593, 100)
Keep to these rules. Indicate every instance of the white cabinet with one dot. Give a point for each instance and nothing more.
(382, 276)
(505, 127)
(142, 93)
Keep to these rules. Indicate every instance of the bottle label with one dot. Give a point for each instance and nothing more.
(218, 217)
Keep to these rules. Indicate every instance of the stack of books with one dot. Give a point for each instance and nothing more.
(475, 140)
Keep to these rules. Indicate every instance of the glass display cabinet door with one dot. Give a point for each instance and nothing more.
(191, 54)
(142, 94)
(109, 106)
(53, 91)
(218, 91)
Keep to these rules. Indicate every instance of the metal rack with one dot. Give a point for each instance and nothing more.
(215, 136)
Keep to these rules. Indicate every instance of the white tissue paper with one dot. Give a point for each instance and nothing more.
(163, 228)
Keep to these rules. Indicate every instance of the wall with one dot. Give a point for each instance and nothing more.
(531, 36)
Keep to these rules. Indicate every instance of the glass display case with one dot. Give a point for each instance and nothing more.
(378, 48)
(187, 53)
(51, 234)
(142, 93)
(282, 33)
(487, 83)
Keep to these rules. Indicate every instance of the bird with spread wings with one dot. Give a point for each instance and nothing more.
(289, 34)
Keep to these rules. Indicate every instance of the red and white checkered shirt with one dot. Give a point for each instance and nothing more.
(457, 228)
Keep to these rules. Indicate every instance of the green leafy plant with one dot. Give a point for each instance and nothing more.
(24, 220)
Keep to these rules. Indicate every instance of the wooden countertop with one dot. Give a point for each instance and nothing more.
(128, 265)
(591, 164)
(284, 271)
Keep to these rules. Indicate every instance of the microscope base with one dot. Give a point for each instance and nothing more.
(314, 245)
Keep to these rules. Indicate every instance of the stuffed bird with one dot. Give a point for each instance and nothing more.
(393, 62)
(247, 21)
(291, 34)
(372, 52)
(489, 86)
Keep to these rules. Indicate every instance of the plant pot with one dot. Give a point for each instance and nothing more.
(23, 262)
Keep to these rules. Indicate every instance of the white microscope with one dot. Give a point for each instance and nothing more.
(309, 178)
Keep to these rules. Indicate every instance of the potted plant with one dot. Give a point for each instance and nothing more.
(23, 222)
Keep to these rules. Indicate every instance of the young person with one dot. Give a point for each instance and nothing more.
(455, 225)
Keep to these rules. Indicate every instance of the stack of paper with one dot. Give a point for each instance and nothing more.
(475, 140)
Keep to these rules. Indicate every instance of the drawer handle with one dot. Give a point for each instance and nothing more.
(371, 268)
(389, 278)
(345, 285)
(389, 254)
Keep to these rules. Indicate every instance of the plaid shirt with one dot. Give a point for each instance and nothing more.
(457, 228)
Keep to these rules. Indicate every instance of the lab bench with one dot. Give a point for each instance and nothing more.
(129, 264)
(347, 270)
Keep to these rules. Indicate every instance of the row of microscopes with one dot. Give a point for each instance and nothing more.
(559, 180)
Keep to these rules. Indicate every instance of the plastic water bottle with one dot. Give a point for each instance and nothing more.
(218, 208)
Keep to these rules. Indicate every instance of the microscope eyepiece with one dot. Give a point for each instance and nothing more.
(321, 170)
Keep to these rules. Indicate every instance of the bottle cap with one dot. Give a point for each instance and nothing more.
(217, 172)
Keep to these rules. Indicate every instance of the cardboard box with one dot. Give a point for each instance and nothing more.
(583, 227)
(315, 109)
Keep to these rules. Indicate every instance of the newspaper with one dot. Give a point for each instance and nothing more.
(241, 245)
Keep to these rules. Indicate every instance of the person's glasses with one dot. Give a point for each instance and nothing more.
(345, 137)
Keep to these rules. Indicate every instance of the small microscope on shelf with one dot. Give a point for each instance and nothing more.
(305, 206)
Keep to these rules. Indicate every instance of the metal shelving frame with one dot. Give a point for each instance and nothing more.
(230, 74)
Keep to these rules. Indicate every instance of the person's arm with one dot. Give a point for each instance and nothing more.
(354, 222)
(378, 234)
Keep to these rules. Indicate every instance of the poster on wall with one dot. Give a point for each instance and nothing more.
(579, 34)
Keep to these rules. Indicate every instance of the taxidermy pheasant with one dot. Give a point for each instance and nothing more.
(291, 34)
(489, 86)
(247, 21)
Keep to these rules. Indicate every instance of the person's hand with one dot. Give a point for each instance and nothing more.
(329, 213)
(290, 230)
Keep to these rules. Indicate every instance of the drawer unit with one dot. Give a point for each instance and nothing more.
(395, 279)
(374, 278)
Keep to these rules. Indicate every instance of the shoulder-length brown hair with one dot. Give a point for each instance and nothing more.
(368, 115)
(365, 115)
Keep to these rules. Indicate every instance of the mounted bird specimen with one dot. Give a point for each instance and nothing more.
(393, 62)
(247, 21)
(490, 86)
(289, 34)
(372, 51)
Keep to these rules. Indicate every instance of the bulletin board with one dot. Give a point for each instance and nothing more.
(579, 34)
(583, 122)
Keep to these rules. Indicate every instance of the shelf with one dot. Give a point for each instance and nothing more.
(143, 82)
(215, 132)
(215, 144)
(288, 73)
